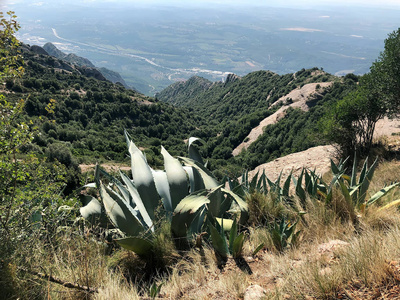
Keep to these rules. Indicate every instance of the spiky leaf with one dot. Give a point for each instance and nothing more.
(92, 210)
(208, 178)
(143, 180)
(219, 243)
(195, 179)
(178, 184)
(138, 245)
(120, 214)
(237, 247)
(162, 186)
(193, 151)
(137, 200)
(185, 212)
(382, 193)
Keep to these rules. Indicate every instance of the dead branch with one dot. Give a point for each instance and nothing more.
(66, 284)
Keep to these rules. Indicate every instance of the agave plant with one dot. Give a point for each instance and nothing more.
(223, 246)
(283, 235)
(183, 194)
(354, 190)
(260, 184)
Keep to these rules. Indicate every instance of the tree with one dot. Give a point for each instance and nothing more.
(10, 58)
(351, 121)
(29, 186)
(385, 74)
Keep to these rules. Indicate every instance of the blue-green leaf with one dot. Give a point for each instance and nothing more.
(177, 178)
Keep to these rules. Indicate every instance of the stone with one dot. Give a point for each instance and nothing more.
(254, 292)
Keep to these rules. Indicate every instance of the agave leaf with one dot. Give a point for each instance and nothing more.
(208, 178)
(120, 214)
(245, 178)
(334, 168)
(259, 186)
(193, 151)
(345, 192)
(138, 245)
(226, 223)
(342, 164)
(272, 186)
(178, 184)
(243, 206)
(286, 186)
(232, 234)
(259, 247)
(92, 210)
(137, 200)
(253, 183)
(308, 182)
(143, 180)
(90, 185)
(195, 179)
(121, 188)
(263, 182)
(299, 189)
(198, 221)
(363, 171)
(353, 181)
(127, 138)
(278, 180)
(366, 181)
(219, 242)
(381, 193)
(162, 186)
(97, 176)
(185, 212)
(391, 204)
(219, 204)
(237, 247)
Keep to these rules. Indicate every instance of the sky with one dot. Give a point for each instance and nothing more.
(279, 3)
(297, 3)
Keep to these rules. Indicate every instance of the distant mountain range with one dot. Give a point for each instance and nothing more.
(110, 75)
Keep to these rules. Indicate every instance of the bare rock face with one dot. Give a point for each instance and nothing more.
(254, 292)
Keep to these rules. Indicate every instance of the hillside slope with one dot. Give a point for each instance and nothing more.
(90, 115)
(298, 98)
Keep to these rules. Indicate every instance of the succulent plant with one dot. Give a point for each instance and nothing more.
(185, 193)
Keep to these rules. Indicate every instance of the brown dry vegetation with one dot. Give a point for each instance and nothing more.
(334, 259)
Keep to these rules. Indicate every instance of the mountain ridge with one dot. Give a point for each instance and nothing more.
(110, 75)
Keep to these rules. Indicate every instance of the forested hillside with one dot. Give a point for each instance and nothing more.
(91, 113)
(236, 106)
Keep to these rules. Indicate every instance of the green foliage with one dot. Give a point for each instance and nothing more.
(223, 246)
(385, 74)
(155, 290)
(351, 122)
(283, 235)
(10, 58)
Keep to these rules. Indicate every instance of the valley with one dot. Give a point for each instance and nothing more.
(156, 46)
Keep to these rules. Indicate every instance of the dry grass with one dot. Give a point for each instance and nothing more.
(363, 264)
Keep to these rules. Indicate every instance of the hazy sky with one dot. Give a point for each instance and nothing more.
(270, 3)
(284, 3)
